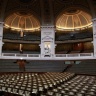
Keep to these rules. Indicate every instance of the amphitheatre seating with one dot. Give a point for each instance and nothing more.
(63, 37)
(83, 35)
(24, 52)
(47, 84)
(28, 84)
(10, 51)
(16, 36)
(87, 51)
(31, 38)
(80, 85)
(74, 51)
(62, 52)
(12, 36)
(80, 35)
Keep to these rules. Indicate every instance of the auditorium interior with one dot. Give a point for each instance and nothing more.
(47, 47)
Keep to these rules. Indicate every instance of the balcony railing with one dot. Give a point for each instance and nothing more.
(55, 57)
(75, 55)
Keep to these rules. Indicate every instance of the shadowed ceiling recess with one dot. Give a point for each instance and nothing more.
(25, 1)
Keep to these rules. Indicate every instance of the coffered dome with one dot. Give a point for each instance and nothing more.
(73, 19)
(22, 21)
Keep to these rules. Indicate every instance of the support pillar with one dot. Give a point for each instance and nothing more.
(2, 13)
(1, 37)
(94, 36)
(47, 41)
(47, 29)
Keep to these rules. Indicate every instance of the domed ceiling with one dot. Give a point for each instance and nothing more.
(72, 19)
(22, 21)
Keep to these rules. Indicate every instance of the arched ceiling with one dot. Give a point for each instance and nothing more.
(73, 19)
(22, 21)
(79, 17)
(34, 7)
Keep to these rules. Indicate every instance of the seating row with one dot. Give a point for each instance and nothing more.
(27, 84)
(80, 85)
(48, 84)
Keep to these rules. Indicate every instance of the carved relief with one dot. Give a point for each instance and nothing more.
(48, 38)
(47, 48)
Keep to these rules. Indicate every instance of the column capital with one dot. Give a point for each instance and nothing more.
(47, 26)
(3, 43)
(94, 19)
(1, 23)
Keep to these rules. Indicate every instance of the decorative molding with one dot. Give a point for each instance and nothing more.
(94, 19)
(47, 38)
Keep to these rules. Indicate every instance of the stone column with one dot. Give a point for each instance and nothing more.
(47, 29)
(2, 14)
(47, 41)
(1, 37)
(94, 35)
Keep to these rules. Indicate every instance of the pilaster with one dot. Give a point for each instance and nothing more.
(94, 35)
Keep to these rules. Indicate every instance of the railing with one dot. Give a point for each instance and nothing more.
(39, 57)
(75, 55)
(20, 55)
